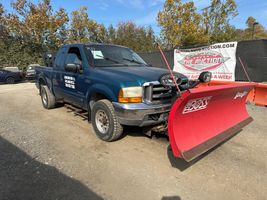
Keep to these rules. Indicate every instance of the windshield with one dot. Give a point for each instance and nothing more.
(108, 55)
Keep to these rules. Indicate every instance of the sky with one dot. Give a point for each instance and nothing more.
(144, 12)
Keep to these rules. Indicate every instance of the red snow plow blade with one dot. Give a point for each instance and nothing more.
(205, 117)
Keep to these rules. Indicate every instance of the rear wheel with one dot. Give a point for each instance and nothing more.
(48, 99)
(105, 122)
(10, 80)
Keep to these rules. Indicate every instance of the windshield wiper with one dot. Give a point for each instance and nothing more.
(134, 61)
(111, 59)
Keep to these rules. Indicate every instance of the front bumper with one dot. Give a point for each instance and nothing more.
(30, 76)
(141, 114)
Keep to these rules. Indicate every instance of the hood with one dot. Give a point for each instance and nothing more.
(133, 75)
(30, 70)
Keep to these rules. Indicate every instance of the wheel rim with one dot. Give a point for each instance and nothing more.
(44, 98)
(10, 80)
(102, 122)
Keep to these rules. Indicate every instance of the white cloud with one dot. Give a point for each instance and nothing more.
(140, 4)
(137, 4)
(104, 6)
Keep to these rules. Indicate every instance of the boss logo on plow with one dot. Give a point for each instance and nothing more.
(196, 104)
(240, 94)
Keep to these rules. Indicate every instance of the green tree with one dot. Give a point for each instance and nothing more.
(216, 19)
(111, 33)
(181, 24)
(84, 30)
(1, 9)
(97, 32)
(139, 38)
(254, 30)
(79, 24)
(3, 36)
(36, 19)
(2, 27)
(31, 30)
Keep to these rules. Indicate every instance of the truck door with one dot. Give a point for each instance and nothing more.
(58, 70)
(73, 83)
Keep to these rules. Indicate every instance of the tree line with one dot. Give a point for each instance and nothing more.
(35, 28)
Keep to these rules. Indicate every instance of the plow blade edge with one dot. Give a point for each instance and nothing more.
(205, 117)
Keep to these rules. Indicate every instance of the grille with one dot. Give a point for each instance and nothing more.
(155, 93)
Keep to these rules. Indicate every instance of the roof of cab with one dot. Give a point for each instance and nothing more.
(93, 44)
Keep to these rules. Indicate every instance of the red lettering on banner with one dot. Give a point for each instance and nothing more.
(224, 76)
(214, 76)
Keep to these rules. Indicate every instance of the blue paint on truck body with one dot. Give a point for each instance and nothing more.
(105, 80)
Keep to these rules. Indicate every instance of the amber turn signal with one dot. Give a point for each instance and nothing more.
(123, 99)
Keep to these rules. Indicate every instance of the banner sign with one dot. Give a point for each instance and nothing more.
(219, 59)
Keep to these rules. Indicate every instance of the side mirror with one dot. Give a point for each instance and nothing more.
(205, 77)
(71, 67)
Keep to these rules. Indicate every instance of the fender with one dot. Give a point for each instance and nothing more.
(102, 89)
(47, 81)
(10, 76)
(41, 79)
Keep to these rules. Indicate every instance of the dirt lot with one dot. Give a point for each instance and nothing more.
(55, 155)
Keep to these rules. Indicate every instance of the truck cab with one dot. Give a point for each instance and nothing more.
(113, 83)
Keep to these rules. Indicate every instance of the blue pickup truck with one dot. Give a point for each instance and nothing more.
(113, 83)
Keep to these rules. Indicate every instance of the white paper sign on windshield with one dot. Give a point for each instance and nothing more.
(97, 54)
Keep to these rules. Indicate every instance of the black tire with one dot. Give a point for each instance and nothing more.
(47, 98)
(10, 80)
(114, 130)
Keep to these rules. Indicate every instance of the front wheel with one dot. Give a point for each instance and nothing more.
(105, 122)
(10, 80)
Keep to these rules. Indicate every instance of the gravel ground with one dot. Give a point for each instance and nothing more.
(55, 155)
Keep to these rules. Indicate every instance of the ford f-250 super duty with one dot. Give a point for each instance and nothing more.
(113, 83)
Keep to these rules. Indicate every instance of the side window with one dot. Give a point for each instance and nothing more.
(73, 59)
(74, 56)
(89, 56)
(59, 62)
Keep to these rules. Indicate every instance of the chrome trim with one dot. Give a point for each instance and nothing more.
(138, 114)
(146, 99)
(151, 94)
(151, 83)
(139, 106)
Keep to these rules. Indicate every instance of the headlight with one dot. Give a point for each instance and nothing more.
(131, 95)
(205, 77)
(167, 81)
